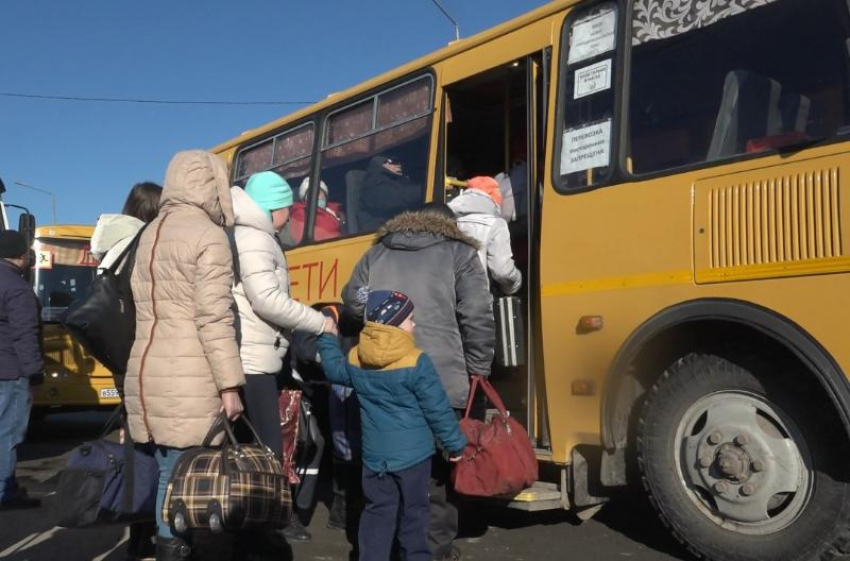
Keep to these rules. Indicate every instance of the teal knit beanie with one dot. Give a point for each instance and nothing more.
(269, 190)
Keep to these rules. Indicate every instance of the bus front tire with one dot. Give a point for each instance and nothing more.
(745, 464)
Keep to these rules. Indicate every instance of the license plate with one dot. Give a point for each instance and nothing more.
(109, 392)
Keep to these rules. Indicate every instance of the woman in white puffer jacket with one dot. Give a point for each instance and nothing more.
(114, 232)
(267, 314)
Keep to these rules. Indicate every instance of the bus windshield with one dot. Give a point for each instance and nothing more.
(64, 269)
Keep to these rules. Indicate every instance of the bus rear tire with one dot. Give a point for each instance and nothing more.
(746, 464)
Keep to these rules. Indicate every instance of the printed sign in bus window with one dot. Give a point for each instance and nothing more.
(586, 147)
(593, 35)
(592, 79)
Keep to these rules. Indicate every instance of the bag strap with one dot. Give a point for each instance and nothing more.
(129, 467)
(110, 422)
(471, 396)
(489, 391)
(222, 423)
(129, 251)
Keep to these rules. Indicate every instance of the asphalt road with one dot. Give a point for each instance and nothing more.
(625, 529)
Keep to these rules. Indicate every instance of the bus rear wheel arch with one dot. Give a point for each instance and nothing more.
(723, 327)
(742, 463)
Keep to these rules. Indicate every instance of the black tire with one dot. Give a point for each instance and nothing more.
(818, 525)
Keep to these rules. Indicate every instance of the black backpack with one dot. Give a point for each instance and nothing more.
(104, 321)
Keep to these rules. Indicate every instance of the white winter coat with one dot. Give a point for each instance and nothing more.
(478, 217)
(267, 314)
(112, 234)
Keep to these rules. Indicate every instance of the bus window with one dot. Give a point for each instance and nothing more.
(586, 110)
(375, 160)
(290, 155)
(725, 82)
(64, 269)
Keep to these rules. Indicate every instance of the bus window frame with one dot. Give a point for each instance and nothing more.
(319, 120)
(375, 96)
(619, 83)
(375, 92)
(273, 135)
(628, 176)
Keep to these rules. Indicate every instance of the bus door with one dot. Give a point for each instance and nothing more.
(493, 126)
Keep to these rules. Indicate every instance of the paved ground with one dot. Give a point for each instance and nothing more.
(625, 529)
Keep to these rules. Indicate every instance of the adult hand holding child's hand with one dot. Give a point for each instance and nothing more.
(331, 327)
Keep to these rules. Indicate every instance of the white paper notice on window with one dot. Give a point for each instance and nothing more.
(593, 35)
(586, 147)
(592, 79)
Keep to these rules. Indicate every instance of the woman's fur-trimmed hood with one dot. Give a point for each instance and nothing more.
(418, 224)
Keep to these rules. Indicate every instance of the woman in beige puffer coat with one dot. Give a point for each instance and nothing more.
(184, 367)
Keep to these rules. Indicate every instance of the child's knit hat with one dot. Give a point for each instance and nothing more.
(388, 307)
(269, 190)
(486, 185)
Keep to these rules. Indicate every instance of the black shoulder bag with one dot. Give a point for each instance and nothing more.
(104, 321)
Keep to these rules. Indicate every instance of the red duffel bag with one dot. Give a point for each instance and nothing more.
(498, 458)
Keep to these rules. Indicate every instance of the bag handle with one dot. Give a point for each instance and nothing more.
(222, 423)
(489, 391)
(130, 251)
(109, 426)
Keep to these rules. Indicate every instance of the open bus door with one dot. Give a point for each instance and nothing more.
(495, 125)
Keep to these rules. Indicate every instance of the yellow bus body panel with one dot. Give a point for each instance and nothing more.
(624, 252)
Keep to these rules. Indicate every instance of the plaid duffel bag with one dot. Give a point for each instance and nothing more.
(227, 488)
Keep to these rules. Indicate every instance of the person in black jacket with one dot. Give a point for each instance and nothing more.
(21, 362)
(386, 191)
(425, 255)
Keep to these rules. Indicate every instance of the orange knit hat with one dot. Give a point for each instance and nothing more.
(486, 185)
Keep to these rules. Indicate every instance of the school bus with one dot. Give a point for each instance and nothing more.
(679, 173)
(62, 272)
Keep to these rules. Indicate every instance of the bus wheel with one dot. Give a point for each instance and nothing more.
(745, 465)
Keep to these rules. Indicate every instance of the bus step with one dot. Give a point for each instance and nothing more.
(540, 496)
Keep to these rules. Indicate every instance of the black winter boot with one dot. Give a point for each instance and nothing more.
(171, 549)
(337, 515)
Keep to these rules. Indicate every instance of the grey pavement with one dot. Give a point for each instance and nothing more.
(624, 529)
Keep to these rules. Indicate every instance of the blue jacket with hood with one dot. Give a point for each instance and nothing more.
(402, 402)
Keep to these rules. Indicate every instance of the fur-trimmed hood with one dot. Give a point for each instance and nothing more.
(417, 229)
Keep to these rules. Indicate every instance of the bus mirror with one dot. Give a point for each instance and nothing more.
(2, 187)
(26, 226)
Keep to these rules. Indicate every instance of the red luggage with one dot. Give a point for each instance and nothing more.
(498, 459)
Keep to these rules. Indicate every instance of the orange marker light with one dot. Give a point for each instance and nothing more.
(589, 324)
(583, 387)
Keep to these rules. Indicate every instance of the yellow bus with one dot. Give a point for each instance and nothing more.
(678, 172)
(62, 272)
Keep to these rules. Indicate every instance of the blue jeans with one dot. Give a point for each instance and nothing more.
(15, 404)
(166, 457)
(396, 506)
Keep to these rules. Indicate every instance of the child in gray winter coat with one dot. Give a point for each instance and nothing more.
(478, 216)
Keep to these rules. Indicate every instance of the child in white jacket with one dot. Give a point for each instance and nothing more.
(478, 216)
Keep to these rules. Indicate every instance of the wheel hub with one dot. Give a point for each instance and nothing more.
(740, 462)
(733, 462)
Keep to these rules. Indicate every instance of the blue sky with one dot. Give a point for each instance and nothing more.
(90, 154)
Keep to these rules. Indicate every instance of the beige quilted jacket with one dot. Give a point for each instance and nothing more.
(185, 349)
